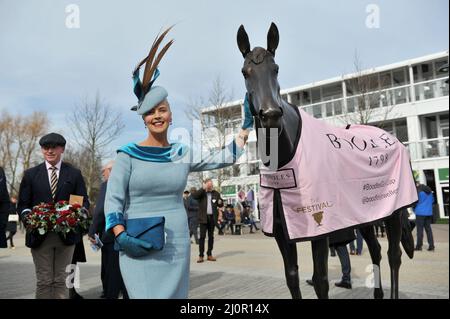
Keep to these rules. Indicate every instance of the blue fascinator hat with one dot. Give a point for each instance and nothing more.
(148, 95)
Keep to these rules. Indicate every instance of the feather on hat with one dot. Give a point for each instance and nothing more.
(148, 95)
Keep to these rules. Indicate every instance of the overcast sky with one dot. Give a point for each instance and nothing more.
(49, 67)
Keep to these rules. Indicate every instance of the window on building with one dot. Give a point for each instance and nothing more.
(443, 119)
(401, 130)
(305, 97)
(352, 87)
(236, 170)
(385, 80)
(387, 126)
(337, 107)
(374, 100)
(329, 109)
(351, 104)
(253, 169)
(397, 128)
(437, 65)
(295, 98)
(373, 83)
(399, 77)
(315, 93)
(251, 151)
(317, 111)
(427, 71)
(430, 127)
(332, 91)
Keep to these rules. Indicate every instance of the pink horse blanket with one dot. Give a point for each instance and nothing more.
(337, 178)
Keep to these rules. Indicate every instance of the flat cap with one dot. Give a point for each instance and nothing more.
(52, 139)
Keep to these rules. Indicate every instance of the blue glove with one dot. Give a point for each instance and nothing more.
(133, 247)
(248, 119)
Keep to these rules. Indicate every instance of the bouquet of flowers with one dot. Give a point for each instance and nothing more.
(71, 218)
(61, 217)
(41, 219)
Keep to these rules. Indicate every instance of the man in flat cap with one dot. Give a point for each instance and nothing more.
(52, 181)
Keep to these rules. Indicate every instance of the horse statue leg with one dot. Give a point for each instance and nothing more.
(320, 260)
(374, 247)
(394, 234)
(288, 250)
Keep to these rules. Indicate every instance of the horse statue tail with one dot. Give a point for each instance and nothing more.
(407, 239)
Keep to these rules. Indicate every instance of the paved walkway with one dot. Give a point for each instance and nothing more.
(250, 266)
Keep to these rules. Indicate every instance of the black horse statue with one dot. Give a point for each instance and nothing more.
(271, 111)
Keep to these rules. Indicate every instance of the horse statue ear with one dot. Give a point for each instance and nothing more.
(272, 38)
(242, 41)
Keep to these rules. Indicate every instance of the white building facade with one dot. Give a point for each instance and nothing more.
(409, 99)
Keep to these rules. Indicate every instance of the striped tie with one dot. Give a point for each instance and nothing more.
(53, 181)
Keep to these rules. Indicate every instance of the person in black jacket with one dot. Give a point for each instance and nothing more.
(111, 277)
(192, 213)
(209, 202)
(52, 181)
(4, 208)
(11, 227)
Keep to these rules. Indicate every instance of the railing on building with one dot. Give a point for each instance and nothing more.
(429, 148)
(382, 98)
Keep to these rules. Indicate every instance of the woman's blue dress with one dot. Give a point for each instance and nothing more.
(149, 181)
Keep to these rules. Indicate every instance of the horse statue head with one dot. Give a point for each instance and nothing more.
(266, 105)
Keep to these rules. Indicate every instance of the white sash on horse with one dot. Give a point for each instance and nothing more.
(337, 178)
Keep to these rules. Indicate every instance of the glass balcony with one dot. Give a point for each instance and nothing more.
(431, 148)
(431, 89)
(382, 98)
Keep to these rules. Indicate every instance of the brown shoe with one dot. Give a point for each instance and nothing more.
(200, 260)
(211, 258)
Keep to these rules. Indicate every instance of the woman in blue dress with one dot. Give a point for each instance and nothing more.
(148, 180)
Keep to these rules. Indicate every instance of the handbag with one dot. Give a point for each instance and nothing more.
(13, 218)
(148, 229)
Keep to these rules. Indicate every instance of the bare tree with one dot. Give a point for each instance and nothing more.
(80, 158)
(218, 120)
(95, 125)
(34, 127)
(367, 100)
(18, 144)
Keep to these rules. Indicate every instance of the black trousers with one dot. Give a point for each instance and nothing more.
(424, 222)
(111, 277)
(3, 223)
(10, 237)
(208, 227)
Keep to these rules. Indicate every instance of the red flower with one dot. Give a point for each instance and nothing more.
(72, 222)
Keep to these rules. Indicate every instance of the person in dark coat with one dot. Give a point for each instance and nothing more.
(209, 202)
(52, 181)
(4, 208)
(11, 227)
(192, 214)
(111, 277)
